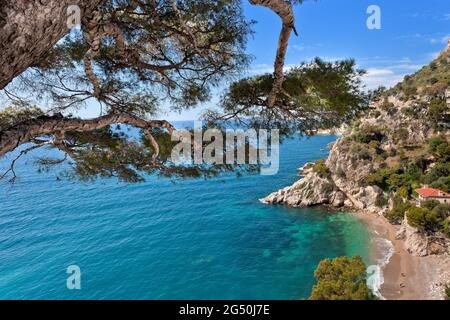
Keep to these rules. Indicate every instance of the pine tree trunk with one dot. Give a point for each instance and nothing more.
(28, 28)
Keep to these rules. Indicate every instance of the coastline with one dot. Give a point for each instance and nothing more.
(406, 277)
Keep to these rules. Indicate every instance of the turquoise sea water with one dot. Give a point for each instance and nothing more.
(195, 239)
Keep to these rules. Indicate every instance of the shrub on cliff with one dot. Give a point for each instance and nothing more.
(438, 113)
(446, 228)
(398, 211)
(424, 219)
(361, 151)
(381, 178)
(434, 142)
(369, 133)
(440, 149)
(442, 153)
(342, 278)
(438, 177)
(321, 169)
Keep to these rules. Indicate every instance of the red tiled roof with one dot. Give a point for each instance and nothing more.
(431, 192)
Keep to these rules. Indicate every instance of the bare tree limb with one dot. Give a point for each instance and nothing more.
(44, 126)
(21, 153)
(285, 11)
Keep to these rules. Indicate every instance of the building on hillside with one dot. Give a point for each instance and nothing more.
(433, 194)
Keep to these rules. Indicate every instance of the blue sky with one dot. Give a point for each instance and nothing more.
(412, 33)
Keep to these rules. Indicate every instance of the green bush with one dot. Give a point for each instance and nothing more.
(381, 202)
(401, 135)
(398, 211)
(342, 278)
(438, 171)
(443, 183)
(446, 228)
(321, 169)
(386, 105)
(442, 210)
(404, 192)
(442, 152)
(380, 178)
(447, 292)
(374, 144)
(327, 188)
(423, 219)
(369, 133)
(438, 113)
(434, 142)
(429, 204)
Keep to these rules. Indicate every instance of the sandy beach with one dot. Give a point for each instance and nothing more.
(406, 277)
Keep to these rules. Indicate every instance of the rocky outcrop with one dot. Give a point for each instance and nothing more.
(309, 191)
(394, 130)
(421, 244)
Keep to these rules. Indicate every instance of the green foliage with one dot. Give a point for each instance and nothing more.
(381, 201)
(374, 144)
(165, 66)
(340, 172)
(369, 133)
(447, 292)
(321, 169)
(386, 105)
(423, 219)
(446, 228)
(442, 183)
(342, 278)
(432, 79)
(438, 113)
(361, 151)
(429, 204)
(442, 210)
(381, 178)
(412, 174)
(327, 188)
(404, 192)
(438, 176)
(442, 153)
(440, 148)
(15, 114)
(434, 142)
(400, 135)
(315, 95)
(398, 211)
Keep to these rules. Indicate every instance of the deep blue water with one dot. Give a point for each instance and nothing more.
(195, 239)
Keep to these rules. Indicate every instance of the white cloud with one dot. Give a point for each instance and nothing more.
(267, 68)
(376, 77)
(388, 76)
(298, 47)
(261, 68)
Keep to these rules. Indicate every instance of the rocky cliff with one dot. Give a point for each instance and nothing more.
(372, 165)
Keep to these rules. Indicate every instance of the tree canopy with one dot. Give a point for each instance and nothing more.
(136, 59)
(342, 278)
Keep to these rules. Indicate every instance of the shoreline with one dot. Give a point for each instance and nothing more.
(406, 277)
